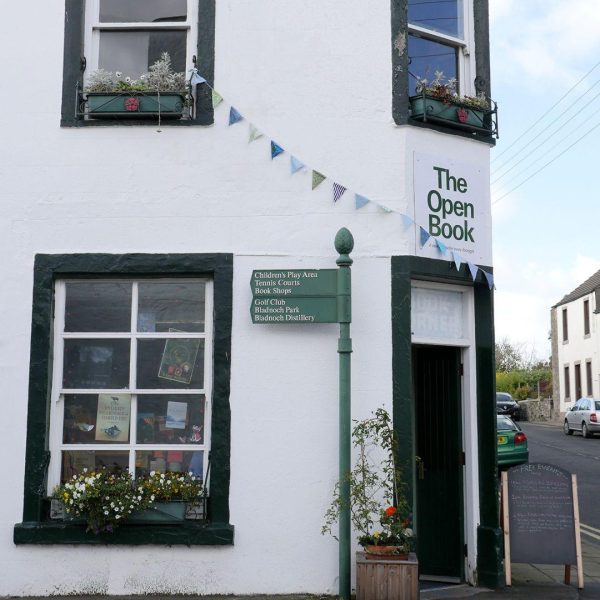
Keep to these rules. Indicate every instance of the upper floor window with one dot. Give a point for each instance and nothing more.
(565, 325)
(439, 38)
(586, 317)
(125, 38)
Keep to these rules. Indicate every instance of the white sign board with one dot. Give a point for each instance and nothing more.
(452, 202)
(437, 314)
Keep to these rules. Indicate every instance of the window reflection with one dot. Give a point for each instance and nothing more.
(102, 364)
(75, 461)
(425, 57)
(179, 461)
(148, 11)
(443, 16)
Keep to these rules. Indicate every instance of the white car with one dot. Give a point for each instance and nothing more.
(583, 416)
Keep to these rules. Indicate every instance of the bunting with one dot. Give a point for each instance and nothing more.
(338, 189)
(295, 165)
(276, 150)
(216, 98)
(234, 116)
(317, 179)
(473, 268)
(253, 133)
(360, 201)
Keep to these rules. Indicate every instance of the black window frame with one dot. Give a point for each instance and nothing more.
(586, 317)
(565, 326)
(399, 48)
(36, 527)
(74, 64)
(589, 380)
(567, 379)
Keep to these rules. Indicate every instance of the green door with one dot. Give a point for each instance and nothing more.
(439, 503)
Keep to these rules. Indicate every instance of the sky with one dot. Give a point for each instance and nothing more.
(545, 231)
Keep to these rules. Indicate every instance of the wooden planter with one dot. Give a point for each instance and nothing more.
(134, 105)
(425, 108)
(381, 579)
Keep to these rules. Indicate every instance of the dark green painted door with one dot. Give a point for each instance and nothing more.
(439, 514)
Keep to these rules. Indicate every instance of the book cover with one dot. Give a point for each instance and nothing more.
(112, 418)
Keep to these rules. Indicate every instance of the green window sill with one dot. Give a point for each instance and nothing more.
(188, 533)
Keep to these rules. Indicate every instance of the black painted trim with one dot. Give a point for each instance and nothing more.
(400, 99)
(404, 270)
(49, 267)
(72, 72)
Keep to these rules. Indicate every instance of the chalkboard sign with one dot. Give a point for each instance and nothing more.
(541, 516)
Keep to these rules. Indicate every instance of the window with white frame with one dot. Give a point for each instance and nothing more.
(440, 36)
(128, 36)
(131, 376)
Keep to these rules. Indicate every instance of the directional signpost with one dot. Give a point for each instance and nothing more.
(296, 296)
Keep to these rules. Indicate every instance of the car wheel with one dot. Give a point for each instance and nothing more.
(567, 429)
(585, 432)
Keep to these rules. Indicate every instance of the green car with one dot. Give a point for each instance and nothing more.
(512, 443)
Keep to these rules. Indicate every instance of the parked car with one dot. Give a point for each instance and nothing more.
(512, 443)
(506, 405)
(583, 416)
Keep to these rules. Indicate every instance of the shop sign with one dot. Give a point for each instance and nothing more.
(294, 296)
(452, 203)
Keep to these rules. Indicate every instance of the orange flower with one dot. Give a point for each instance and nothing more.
(390, 510)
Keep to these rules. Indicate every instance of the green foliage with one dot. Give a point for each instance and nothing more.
(523, 384)
(106, 498)
(447, 92)
(377, 491)
(160, 78)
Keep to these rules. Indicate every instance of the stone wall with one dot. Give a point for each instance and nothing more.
(536, 410)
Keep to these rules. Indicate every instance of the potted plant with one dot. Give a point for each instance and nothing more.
(378, 508)
(159, 92)
(105, 499)
(439, 100)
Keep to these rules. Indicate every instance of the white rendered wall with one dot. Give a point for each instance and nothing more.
(316, 76)
(579, 349)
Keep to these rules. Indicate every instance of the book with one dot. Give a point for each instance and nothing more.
(112, 418)
(176, 415)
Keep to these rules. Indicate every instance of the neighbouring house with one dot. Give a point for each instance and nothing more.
(133, 218)
(576, 344)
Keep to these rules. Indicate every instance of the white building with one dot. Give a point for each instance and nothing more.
(576, 344)
(121, 233)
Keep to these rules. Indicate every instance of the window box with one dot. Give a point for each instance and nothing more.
(427, 109)
(133, 105)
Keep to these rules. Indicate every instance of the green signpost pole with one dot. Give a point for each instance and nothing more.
(344, 243)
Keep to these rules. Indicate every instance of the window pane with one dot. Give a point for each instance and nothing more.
(173, 363)
(427, 57)
(74, 461)
(132, 52)
(179, 461)
(100, 306)
(96, 418)
(147, 11)
(101, 364)
(444, 16)
(170, 419)
(171, 306)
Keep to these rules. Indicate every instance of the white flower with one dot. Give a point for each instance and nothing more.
(152, 498)
(117, 516)
(105, 512)
(128, 79)
(119, 74)
(162, 475)
(152, 473)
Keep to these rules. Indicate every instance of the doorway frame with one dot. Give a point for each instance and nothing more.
(483, 561)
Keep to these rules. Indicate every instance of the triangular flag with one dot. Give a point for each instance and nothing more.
(317, 179)
(473, 268)
(234, 116)
(490, 279)
(406, 220)
(196, 77)
(216, 98)
(424, 236)
(253, 133)
(360, 201)
(276, 150)
(338, 191)
(441, 246)
(295, 165)
(457, 260)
